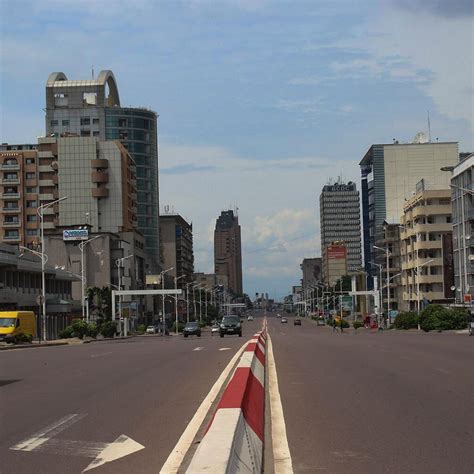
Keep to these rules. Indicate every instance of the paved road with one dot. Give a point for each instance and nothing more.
(147, 388)
(375, 402)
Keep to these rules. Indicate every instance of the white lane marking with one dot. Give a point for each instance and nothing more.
(44, 435)
(100, 355)
(122, 446)
(224, 349)
(198, 349)
(281, 450)
(176, 456)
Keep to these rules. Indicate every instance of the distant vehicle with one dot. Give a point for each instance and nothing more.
(297, 322)
(284, 320)
(16, 323)
(151, 330)
(192, 329)
(214, 329)
(321, 322)
(250, 318)
(230, 325)
(278, 315)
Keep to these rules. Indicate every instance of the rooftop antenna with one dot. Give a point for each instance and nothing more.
(92, 71)
(429, 128)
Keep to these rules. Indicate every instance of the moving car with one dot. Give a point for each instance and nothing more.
(14, 324)
(230, 325)
(284, 320)
(297, 322)
(192, 329)
(250, 318)
(151, 330)
(321, 321)
(278, 315)
(214, 329)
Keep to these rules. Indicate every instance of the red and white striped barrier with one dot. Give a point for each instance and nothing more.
(234, 439)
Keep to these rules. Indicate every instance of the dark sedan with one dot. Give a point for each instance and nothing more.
(192, 329)
(230, 325)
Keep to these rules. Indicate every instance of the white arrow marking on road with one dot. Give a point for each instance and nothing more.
(224, 349)
(122, 446)
(198, 349)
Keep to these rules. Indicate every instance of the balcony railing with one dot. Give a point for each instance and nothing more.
(11, 224)
(11, 210)
(10, 167)
(11, 195)
(11, 181)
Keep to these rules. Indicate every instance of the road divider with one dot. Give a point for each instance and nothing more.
(234, 438)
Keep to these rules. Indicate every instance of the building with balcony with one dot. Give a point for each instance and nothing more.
(389, 174)
(91, 108)
(427, 249)
(339, 211)
(462, 186)
(228, 250)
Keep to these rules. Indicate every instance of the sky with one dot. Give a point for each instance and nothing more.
(260, 102)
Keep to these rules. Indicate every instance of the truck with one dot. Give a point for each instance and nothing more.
(17, 325)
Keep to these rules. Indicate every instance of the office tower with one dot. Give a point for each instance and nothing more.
(462, 186)
(312, 272)
(228, 250)
(339, 210)
(91, 108)
(427, 249)
(177, 243)
(389, 174)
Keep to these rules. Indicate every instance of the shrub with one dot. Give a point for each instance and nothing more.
(180, 327)
(438, 318)
(141, 328)
(66, 333)
(406, 320)
(108, 329)
(344, 323)
(80, 328)
(92, 330)
(21, 337)
(357, 324)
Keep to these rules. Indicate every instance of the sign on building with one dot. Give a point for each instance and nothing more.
(76, 234)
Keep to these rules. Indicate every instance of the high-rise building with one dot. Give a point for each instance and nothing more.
(177, 243)
(427, 249)
(312, 271)
(91, 108)
(389, 174)
(228, 250)
(462, 186)
(339, 210)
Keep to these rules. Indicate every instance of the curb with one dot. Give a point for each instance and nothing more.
(33, 346)
(234, 438)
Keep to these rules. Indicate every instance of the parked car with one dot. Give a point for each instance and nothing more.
(321, 321)
(151, 330)
(284, 320)
(230, 325)
(297, 322)
(192, 329)
(214, 329)
(250, 318)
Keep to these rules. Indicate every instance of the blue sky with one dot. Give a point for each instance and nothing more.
(260, 102)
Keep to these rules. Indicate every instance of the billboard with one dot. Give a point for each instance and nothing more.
(75, 234)
(152, 279)
(336, 252)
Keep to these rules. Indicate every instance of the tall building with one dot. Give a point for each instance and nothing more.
(228, 250)
(462, 186)
(177, 243)
(389, 174)
(427, 249)
(339, 210)
(91, 108)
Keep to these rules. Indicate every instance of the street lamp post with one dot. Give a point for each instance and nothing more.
(176, 302)
(379, 289)
(387, 278)
(187, 299)
(119, 263)
(83, 275)
(40, 212)
(162, 274)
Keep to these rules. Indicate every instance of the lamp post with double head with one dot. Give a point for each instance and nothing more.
(162, 276)
(379, 287)
(176, 278)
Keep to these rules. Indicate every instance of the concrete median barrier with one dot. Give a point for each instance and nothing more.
(233, 442)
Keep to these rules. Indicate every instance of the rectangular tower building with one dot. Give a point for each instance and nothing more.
(228, 250)
(339, 210)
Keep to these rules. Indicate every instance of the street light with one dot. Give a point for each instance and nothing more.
(379, 289)
(176, 302)
(387, 279)
(162, 276)
(83, 276)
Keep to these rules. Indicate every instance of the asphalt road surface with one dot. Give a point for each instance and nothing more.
(371, 402)
(83, 397)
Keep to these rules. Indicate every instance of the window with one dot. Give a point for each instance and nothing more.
(31, 218)
(95, 121)
(122, 122)
(85, 133)
(11, 233)
(31, 232)
(31, 204)
(95, 133)
(10, 176)
(30, 189)
(53, 123)
(65, 123)
(30, 176)
(30, 161)
(85, 121)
